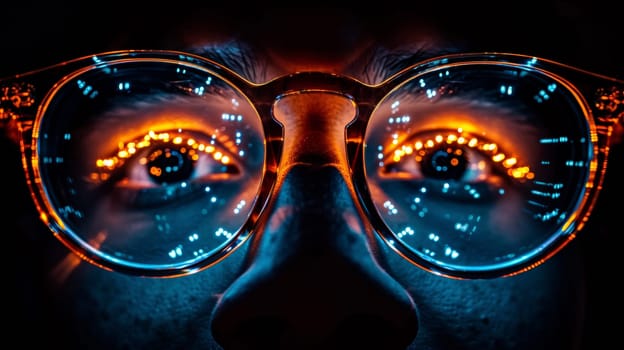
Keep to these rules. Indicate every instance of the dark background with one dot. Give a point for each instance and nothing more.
(585, 34)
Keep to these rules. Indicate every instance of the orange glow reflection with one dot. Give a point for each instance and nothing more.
(418, 149)
(187, 145)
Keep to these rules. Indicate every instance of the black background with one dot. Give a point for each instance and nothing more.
(585, 34)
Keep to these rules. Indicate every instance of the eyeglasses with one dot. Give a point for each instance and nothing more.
(160, 163)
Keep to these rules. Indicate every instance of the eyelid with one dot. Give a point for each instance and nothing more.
(419, 143)
(171, 113)
(222, 152)
(472, 116)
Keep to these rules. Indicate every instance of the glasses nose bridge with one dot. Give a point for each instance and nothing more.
(314, 124)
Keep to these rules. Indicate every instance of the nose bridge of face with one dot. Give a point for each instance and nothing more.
(314, 128)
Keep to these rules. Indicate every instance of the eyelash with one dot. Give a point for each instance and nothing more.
(106, 167)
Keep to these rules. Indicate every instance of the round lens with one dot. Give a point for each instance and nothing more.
(478, 167)
(150, 164)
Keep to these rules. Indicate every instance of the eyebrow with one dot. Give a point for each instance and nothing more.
(379, 63)
(236, 56)
(373, 66)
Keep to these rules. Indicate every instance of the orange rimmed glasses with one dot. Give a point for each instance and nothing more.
(160, 163)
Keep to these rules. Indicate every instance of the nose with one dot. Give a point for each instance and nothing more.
(313, 280)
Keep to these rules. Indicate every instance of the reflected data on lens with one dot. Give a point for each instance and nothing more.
(150, 164)
(477, 167)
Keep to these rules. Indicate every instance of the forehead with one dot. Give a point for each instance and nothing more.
(312, 38)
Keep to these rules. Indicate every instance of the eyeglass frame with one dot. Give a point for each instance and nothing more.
(22, 108)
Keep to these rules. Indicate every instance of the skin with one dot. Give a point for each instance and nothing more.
(278, 289)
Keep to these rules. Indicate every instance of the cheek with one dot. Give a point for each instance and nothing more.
(100, 308)
(540, 307)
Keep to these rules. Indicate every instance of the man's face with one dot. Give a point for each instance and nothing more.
(314, 274)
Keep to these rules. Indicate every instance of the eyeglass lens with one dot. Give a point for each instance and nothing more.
(158, 164)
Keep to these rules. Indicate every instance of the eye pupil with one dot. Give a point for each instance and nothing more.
(169, 165)
(444, 163)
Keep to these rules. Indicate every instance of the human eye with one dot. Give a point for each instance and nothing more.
(460, 166)
(477, 167)
(161, 168)
(150, 165)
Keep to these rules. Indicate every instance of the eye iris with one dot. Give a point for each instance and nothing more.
(445, 163)
(169, 165)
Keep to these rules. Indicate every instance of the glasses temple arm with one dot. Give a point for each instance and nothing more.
(14, 97)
